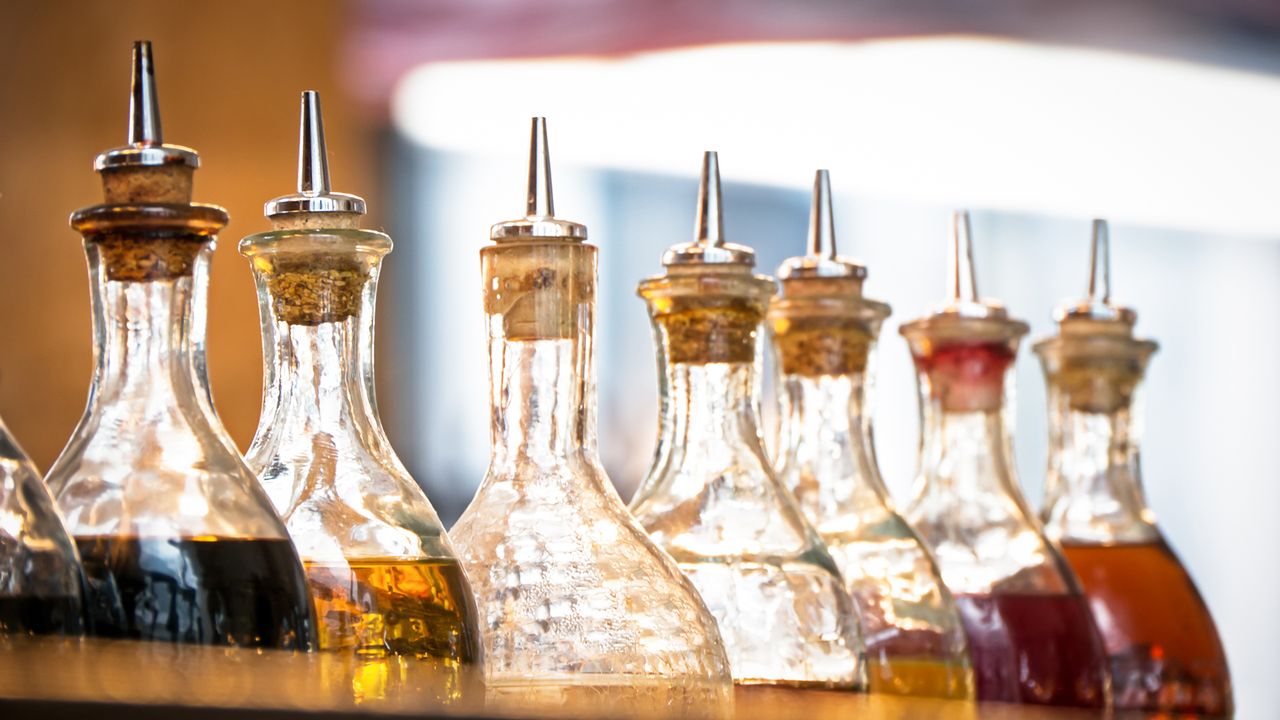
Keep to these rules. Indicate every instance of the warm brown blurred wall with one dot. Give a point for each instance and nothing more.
(229, 75)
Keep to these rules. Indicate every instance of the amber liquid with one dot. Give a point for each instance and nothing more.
(406, 621)
(918, 677)
(206, 590)
(1165, 652)
(1038, 649)
(30, 615)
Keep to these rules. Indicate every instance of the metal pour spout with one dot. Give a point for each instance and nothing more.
(314, 192)
(539, 221)
(962, 282)
(1100, 263)
(146, 146)
(709, 226)
(822, 232)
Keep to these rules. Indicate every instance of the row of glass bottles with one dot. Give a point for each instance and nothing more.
(780, 567)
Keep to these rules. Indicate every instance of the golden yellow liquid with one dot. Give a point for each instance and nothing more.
(919, 678)
(406, 626)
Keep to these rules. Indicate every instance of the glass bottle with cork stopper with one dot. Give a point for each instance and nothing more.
(1165, 652)
(40, 587)
(578, 606)
(711, 498)
(387, 586)
(178, 542)
(1031, 638)
(824, 335)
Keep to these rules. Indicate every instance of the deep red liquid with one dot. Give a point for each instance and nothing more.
(1038, 649)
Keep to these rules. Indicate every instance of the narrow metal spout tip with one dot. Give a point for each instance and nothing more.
(313, 156)
(144, 109)
(962, 284)
(1100, 263)
(822, 231)
(709, 228)
(540, 202)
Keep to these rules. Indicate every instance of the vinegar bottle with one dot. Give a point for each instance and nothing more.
(1165, 652)
(824, 335)
(389, 591)
(178, 542)
(711, 498)
(578, 607)
(1030, 634)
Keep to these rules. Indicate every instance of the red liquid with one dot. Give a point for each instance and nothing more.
(1038, 649)
(1165, 651)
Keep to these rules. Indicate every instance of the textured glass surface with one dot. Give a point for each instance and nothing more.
(1166, 655)
(385, 580)
(39, 568)
(150, 469)
(914, 641)
(1030, 634)
(712, 501)
(576, 602)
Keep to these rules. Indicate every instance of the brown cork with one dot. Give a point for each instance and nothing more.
(147, 184)
(539, 288)
(129, 258)
(701, 330)
(316, 221)
(316, 289)
(1097, 374)
(818, 346)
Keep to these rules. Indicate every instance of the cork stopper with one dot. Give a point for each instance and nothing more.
(1095, 362)
(966, 345)
(147, 229)
(539, 274)
(822, 325)
(146, 170)
(708, 303)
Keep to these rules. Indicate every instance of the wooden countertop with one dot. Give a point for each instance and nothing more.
(107, 680)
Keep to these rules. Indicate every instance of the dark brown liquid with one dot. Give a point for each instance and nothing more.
(1165, 652)
(1039, 649)
(209, 591)
(30, 615)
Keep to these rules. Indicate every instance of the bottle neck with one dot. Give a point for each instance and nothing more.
(965, 456)
(1093, 489)
(710, 418)
(825, 450)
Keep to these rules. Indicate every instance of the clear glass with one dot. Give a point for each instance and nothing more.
(39, 567)
(915, 644)
(386, 582)
(712, 501)
(1031, 638)
(178, 541)
(1166, 655)
(578, 606)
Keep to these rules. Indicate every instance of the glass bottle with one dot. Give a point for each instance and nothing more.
(178, 542)
(1031, 638)
(40, 590)
(1165, 652)
(824, 334)
(577, 604)
(386, 583)
(711, 499)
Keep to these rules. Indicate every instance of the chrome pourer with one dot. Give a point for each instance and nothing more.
(314, 192)
(146, 146)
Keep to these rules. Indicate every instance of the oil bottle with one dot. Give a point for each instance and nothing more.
(1166, 656)
(40, 591)
(579, 608)
(386, 583)
(178, 542)
(1031, 637)
(711, 498)
(824, 335)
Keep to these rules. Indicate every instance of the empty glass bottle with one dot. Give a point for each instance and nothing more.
(1031, 638)
(386, 583)
(39, 567)
(1165, 652)
(178, 541)
(824, 334)
(577, 605)
(711, 498)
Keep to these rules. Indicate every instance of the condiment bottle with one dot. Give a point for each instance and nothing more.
(824, 335)
(577, 605)
(386, 583)
(1165, 652)
(179, 543)
(1031, 638)
(40, 591)
(711, 498)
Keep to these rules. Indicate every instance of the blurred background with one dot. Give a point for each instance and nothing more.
(1163, 116)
